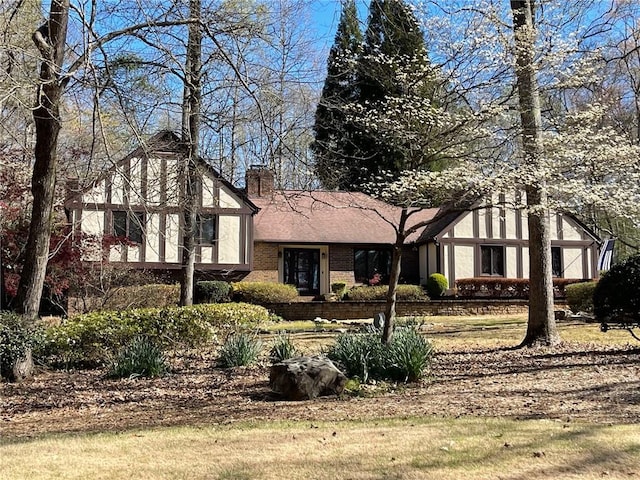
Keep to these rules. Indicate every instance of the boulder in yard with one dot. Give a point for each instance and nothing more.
(303, 378)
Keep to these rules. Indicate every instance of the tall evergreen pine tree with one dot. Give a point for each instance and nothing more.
(393, 69)
(333, 148)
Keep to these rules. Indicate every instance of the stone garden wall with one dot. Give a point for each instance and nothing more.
(348, 310)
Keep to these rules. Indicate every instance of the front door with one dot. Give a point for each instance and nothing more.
(302, 269)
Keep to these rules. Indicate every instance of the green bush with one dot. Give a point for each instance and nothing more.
(366, 293)
(155, 295)
(86, 340)
(615, 297)
(409, 355)
(362, 355)
(17, 338)
(142, 357)
(240, 349)
(339, 288)
(263, 292)
(214, 291)
(437, 285)
(580, 296)
(282, 348)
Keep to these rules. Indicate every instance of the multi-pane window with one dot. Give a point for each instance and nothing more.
(372, 265)
(207, 229)
(556, 261)
(492, 260)
(129, 225)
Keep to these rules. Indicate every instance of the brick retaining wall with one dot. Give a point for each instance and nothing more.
(352, 310)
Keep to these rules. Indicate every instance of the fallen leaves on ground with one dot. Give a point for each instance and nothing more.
(590, 382)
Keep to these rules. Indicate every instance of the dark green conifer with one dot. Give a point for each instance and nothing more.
(332, 147)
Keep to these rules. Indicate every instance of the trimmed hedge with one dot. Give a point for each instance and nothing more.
(263, 292)
(580, 296)
(89, 340)
(492, 287)
(154, 295)
(379, 292)
(214, 291)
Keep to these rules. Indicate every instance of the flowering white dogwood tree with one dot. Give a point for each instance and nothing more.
(576, 162)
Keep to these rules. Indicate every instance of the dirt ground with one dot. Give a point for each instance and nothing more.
(594, 383)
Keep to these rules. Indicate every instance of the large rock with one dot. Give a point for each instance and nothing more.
(303, 378)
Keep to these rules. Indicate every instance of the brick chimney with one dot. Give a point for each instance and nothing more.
(259, 181)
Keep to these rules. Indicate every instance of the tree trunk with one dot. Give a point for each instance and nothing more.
(50, 40)
(191, 136)
(541, 327)
(394, 278)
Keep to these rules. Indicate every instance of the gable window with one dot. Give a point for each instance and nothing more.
(369, 263)
(129, 225)
(492, 260)
(207, 229)
(556, 261)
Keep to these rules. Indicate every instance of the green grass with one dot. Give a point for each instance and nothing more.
(413, 448)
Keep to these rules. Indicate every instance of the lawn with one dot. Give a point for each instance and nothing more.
(486, 411)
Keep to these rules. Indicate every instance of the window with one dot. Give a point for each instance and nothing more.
(129, 225)
(207, 229)
(492, 258)
(368, 263)
(556, 261)
(302, 269)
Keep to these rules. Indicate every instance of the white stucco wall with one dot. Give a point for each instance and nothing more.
(229, 239)
(511, 231)
(172, 238)
(570, 231)
(154, 175)
(511, 262)
(525, 262)
(572, 262)
(152, 248)
(95, 194)
(464, 227)
(464, 261)
(208, 192)
(173, 190)
(228, 199)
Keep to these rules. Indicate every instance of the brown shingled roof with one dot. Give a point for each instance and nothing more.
(326, 217)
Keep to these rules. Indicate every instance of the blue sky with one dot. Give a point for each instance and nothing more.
(326, 15)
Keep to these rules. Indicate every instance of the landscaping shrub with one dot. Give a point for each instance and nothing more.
(214, 291)
(437, 285)
(580, 296)
(489, 287)
(615, 297)
(142, 357)
(18, 338)
(362, 355)
(409, 355)
(359, 354)
(263, 292)
(339, 288)
(87, 340)
(282, 348)
(240, 349)
(366, 293)
(155, 295)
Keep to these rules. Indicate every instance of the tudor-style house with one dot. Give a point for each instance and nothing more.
(312, 239)
(309, 239)
(139, 199)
